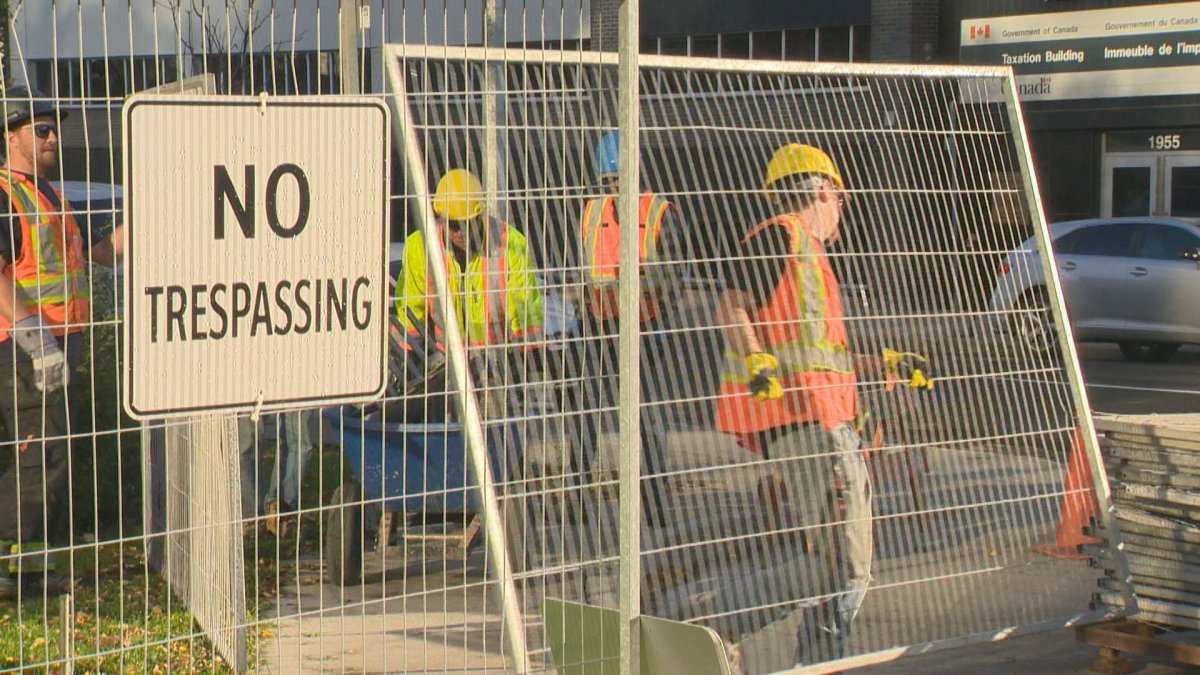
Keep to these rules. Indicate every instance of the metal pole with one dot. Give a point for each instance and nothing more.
(630, 466)
(348, 46)
(494, 107)
(1058, 306)
(66, 633)
(468, 408)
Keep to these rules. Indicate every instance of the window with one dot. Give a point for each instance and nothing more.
(1131, 191)
(705, 45)
(861, 50)
(767, 45)
(1164, 242)
(800, 45)
(1106, 240)
(677, 46)
(833, 43)
(1185, 192)
(735, 46)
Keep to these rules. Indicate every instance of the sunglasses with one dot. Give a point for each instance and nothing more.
(43, 131)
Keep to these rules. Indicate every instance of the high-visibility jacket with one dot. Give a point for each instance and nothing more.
(802, 326)
(48, 272)
(600, 244)
(495, 298)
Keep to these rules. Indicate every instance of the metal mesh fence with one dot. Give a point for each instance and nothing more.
(354, 538)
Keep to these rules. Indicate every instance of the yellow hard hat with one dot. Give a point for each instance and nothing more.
(796, 159)
(459, 195)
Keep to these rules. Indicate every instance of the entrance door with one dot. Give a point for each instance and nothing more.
(1183, 185)
(1131, 186)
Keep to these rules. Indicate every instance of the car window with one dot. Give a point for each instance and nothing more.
(1111, 240)
(1164, 242)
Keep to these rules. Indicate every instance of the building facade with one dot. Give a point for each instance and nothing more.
(1115, 130)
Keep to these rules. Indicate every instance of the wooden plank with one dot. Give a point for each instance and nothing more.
(1131, 636)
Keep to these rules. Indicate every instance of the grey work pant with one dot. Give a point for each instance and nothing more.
(811, 461)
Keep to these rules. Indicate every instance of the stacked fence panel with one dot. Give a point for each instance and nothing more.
(1154, 465)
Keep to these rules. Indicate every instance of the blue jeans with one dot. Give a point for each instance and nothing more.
(294, 447)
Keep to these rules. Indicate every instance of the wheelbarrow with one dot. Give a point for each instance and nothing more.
(408, 470)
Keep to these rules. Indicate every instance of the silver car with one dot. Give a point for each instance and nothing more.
(1132, 281)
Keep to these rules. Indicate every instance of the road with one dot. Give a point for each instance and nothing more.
(1119, 386)
(1114, 386)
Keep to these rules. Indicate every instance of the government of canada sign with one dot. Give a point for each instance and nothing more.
(256, 252)
(1142, 50)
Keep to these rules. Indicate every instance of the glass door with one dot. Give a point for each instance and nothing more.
(1130, 186)
(1183, 186)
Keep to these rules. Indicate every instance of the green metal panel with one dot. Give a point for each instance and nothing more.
(586, 640)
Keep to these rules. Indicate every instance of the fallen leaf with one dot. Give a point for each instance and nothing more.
(38, 643)
(266, 632)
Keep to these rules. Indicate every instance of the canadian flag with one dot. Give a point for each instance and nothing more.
(984, 31)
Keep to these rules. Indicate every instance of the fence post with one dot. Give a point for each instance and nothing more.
(460, 377)
(348, 46)
(630, 465)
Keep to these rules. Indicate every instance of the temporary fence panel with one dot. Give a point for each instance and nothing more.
(968, 476)
(364, 544)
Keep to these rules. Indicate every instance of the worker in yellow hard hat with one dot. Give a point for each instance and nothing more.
(789, 383)
(492, 283)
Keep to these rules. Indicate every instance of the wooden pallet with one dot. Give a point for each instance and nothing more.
(1127, 635)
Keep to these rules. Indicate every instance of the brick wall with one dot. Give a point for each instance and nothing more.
(604, 25)
(904, 31)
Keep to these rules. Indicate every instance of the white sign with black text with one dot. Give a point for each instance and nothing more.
(1142, 50)
(256, 252)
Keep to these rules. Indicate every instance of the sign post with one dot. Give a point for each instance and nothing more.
(256, 252)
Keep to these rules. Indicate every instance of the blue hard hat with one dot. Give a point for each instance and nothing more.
(608, 156)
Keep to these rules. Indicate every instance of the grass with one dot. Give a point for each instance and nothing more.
(125, 620)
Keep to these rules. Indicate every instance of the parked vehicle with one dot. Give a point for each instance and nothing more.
(96, 205)
(1132, 281)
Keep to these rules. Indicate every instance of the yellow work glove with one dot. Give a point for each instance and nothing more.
(764, 378)
(909, 368)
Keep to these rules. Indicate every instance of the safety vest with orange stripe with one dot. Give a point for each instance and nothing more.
(802, 326)
(601, 246)
(495, 297)
(48, 273)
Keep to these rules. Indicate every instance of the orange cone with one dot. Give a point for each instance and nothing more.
(1078, 506)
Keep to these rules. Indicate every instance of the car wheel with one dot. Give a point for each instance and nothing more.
(1148, 351)
(1034, 325)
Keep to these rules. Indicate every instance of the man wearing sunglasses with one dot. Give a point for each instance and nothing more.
(492, 284)
(44, 306)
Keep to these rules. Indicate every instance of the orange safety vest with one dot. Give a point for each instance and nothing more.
(601, 246)
(802, 327)
(48, 273)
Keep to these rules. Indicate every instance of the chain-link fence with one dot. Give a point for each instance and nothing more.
(850, 431)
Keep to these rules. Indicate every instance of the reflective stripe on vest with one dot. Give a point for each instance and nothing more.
(485, 306)
(600, 235)
(48, 272)
(802, 327)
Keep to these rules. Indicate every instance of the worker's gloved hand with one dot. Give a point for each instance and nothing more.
(909, 368)
(764, 376)
(36, 341)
